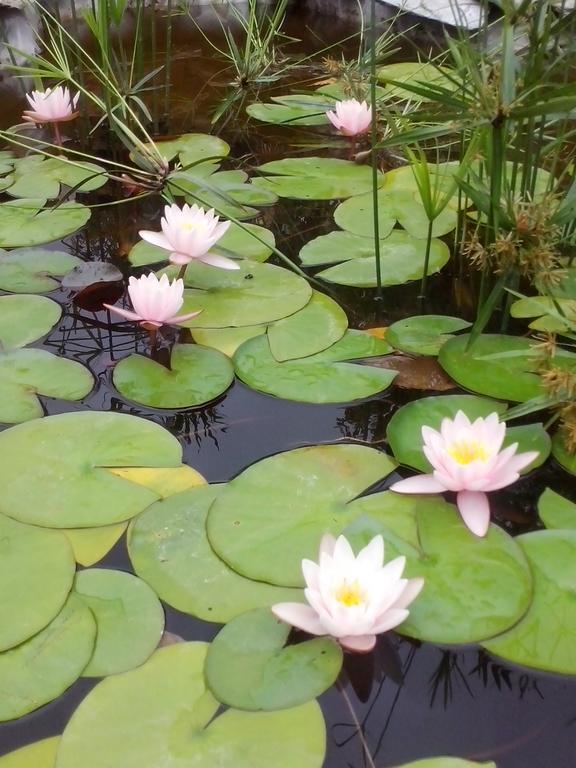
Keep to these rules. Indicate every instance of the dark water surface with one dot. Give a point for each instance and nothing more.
(413, 700)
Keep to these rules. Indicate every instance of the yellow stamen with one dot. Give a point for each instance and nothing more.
(467, 451)
(349, 594)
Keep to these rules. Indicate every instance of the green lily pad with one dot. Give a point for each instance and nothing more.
(423, 334)
(225, 191)
(315, 178)
(90, 545)
(248, 667)
(446, 762)
(43, 667)
(36, 176)
(313, 379)
(540, 307)
(26, 222)
(197, 375)
(36, 574)
(39, 754)
(321, 323)
(404, 430)
(25, 319)
(27, 373)
(168, 549)
(291, 114)
(129, 620)
(161, 714)
(255, 293)
(555, 511)
(275, 512)
(6, 161)
(546, 637)
(401, 258)
(192, 147)
(27, 270)
(414, 72)
(474, 587)
(71, 455)
(227, 340)
(563, 456)
(498, 366)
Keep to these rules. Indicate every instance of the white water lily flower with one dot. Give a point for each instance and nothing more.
(156, 302)
(351, 117)
(54, 105)
(189, 233)
(353, 599)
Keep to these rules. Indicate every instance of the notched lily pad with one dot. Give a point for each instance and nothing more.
(36, 176)
(424, 334)
(25, 319)
(39, 754)
(90, 272)
(26, 222)
(556, 511)
(34, 270)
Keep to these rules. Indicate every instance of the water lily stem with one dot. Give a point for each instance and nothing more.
(57, 136)
(153, 339)
(182, 272)
(369, 759)
(374, 141)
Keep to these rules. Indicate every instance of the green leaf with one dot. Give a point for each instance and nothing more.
(90, 545)
(193, 147)
(196, 376)
(26, 270)
(227, 340)
(555, 511)
(546, 310)
(26, 222)
(39, 754)
(34, 176)
(25, 319)
(423, 334)
(564, 457)
(291, 114)
(161, 714)
(417, 73)
(248, 666)
(445, 762)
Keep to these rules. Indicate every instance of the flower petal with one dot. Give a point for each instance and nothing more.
(218, 261)
(358, 643)
(300, 616)
(475, 511)
(125, 313)
(418, 484)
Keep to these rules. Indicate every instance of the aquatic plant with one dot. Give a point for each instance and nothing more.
(350, 117)
(53, 106)
(156, 302)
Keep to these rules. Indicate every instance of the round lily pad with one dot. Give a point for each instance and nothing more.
(129, 620)
(474, 587)
(564, 457)
(423, 334)
(404, 430)
(286, 114)
(36, 176)
(312, 379)
(548, 311)
(545, 637)
(227, 340)
(161, 714)
(446, 762)
(25, 319)
(26, 373)
(315, 178)
(34, 270)
(402, 258)
(36, 574)
(43, 667)
(90, 272)
(413, 72)
(168, 548)
(555, 511)
(26, 222)
(321, 323)
(39, 754)
(275, 512)
(255, 293)
(192, 147)
(91, 544)
(249, 667)
(196, 376)
(71, 485)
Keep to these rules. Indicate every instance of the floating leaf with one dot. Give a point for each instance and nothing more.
(162, 715)
(546, 637)
(90, 545)
(275, 512)
(474, 587)
(416, 73)
(129, 620)
(26, 222)
(36, 176)
(43, 667)
(196, 376)
(70, 485)
(36, 575)
(315, 178)
(25, 319)
(40, 754)
(249, 667)
(169, 550)
(404, 430)
(321, 323)
(423, 373)
(192, 147)
(555, 511)
(165, 481)
(540, 307)
(27, 270)
(292, 115)
(564, 457)
(446, 762)
(227, 340)
(90, 272)
(424, 334)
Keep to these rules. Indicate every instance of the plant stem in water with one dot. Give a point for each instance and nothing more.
(374, 141)
(358, 725)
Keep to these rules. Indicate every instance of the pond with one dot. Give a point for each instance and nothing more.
(410, 698)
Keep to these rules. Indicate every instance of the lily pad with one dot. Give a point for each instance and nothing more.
(404, 430)
(321, 323)
(25, 319)
(39, 754)
(313, 379)
(27, 270)
(168, 548)
(474, 587)
(26, 222)
(129, 620)
(71, 485)
(161, 714)
(546, 637)
(315, 178)
(197, 375)
(90, 272)
(446, 762)
(555, 511)
(192, 147)
(255, 293)
(540, 307)
(303, 112)
(90, 545)
(43, 667)
(401, 258)
(249, 667)
(275, 512)
(227, 340)
(414, 72)
(36, 176)
(164, 481)
(36, 575)
(424, 334)
(564, 457)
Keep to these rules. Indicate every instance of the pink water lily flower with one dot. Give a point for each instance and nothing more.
(155, 302)
(466, 458)
(353, 599)
(54, 105)
(351, 117)
(189, 233)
